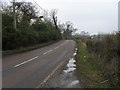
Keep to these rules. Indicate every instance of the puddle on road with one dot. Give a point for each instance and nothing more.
(67, 78)
(70, 66)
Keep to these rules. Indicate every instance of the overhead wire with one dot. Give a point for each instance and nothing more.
(39, 5)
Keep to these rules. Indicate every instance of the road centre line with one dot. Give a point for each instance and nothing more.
(36, 56)
(57, 47)
(25, 61)
(61, 44)
(47, 52)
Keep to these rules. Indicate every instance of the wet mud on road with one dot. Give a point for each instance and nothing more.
(66, 78)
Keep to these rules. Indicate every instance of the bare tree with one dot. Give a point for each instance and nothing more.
(54, 17)
(26, 11)
(69, 29)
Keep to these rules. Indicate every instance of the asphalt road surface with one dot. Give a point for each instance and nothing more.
(34, 68)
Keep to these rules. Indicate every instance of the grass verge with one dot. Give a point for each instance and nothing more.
(88, 73)
(25, 49)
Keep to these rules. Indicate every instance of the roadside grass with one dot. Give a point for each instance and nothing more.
(88, 73)
(25, 49)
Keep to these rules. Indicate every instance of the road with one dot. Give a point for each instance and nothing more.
(34, 68)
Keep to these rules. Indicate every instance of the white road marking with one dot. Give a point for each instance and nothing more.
(47, 52)
(57, 47)
(25, 61)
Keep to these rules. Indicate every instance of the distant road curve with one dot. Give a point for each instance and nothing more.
(32, 69)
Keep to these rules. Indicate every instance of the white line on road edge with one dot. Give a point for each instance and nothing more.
(47, 52)
(49, 76)
(25, 62)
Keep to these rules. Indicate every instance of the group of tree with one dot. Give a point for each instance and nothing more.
(32, 28)
(67, 30)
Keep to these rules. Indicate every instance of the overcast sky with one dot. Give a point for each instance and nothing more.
(92, 16)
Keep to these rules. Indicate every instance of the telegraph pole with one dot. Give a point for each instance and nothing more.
(14, 15)
(118, 43)
(119, 16)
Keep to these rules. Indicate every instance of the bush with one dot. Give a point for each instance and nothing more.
(106, 51)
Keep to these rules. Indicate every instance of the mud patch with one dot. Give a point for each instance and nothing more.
(64, 80)
(67, 78)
